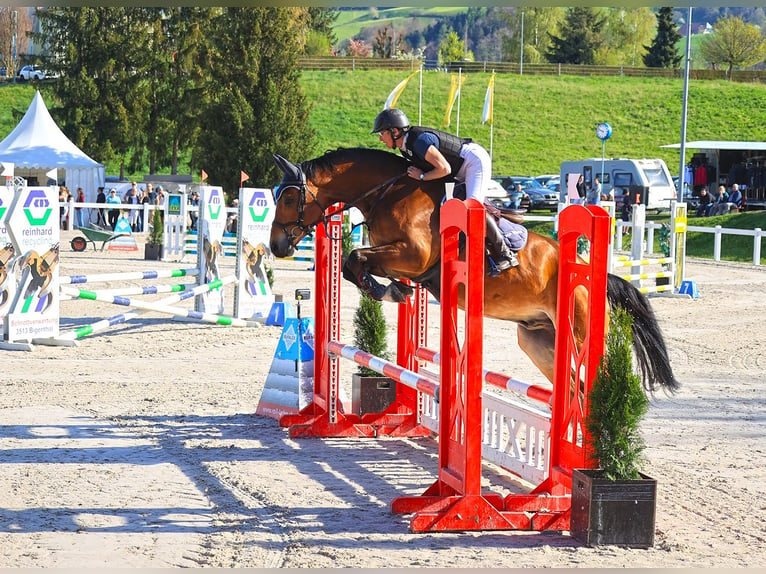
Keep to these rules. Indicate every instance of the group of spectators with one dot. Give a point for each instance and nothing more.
(724, 202)
(134, 196)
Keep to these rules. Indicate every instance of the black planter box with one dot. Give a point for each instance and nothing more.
(371, 394)
(612, 512)
(152, 252)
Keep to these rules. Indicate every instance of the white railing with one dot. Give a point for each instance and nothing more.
(515, 435)
(719, 232)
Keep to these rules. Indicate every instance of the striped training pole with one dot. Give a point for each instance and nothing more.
(160, 307)
(129, 275)
(150, 290)
(386, 368)
(530, 390)
(123, 317)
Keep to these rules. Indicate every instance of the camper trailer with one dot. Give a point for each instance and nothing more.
(645, 181)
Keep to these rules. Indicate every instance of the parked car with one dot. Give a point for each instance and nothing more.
(504, 199)
(509, 181)
(545, 179)
(518, 200)
(31, 73)
(543, 198)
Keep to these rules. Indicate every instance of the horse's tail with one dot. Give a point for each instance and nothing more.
(648, 342)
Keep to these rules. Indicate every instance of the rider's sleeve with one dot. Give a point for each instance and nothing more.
(423, 142)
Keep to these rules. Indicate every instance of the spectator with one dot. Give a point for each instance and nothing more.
(114, 212)
(78, 211)
(132, 197)
(159, 202)
(151, 193)
(593, 197)
(719, 205)
(705, 203)
(145, 200)
(734, 203)
(580, 189)
(101, 198)
(63, 206)
(231, 220)
(194, 215)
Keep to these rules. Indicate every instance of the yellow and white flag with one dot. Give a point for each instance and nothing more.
(396, 92)
(456, 83)
(489, 100)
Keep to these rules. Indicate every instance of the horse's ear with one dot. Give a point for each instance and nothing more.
(288, 168)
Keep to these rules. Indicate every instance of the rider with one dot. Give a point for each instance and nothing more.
(434, 154)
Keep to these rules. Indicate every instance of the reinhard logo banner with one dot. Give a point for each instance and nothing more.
(253, 297)
(212, 224)
(32, 223)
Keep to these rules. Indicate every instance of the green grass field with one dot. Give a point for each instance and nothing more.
(540, 121)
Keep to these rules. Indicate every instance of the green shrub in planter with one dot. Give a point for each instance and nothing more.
(617, 403)
(615, 503)
(370, 330)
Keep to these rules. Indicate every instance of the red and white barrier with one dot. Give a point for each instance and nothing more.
(466, 419)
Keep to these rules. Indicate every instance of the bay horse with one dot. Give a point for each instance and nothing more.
(402, 216)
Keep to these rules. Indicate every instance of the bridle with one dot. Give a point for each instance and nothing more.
(299, 227)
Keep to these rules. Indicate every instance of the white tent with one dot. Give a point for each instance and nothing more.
(37, 145)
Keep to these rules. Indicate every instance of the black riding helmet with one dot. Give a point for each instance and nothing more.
(390, 118)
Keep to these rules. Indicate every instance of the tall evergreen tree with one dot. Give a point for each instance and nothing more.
(579, 39)
(662, 53)
(99, 101)
(256, 104)
(177, 77)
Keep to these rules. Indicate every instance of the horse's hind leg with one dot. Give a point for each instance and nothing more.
(540, 346)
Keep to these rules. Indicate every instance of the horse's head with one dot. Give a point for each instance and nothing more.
(297, 209)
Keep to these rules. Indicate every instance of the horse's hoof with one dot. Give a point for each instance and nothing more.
(394, 295)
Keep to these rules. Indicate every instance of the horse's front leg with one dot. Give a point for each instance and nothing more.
(359, 268)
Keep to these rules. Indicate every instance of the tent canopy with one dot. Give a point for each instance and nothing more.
(37, 145)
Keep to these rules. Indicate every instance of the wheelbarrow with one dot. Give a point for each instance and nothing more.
(92, 235)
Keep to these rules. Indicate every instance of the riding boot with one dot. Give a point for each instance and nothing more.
(503, 257)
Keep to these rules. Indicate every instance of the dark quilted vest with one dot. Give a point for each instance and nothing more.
(449, 146)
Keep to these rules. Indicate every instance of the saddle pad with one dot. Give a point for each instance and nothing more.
(515, 235)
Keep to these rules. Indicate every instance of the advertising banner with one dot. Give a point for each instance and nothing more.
(33, 226)
(253, 297)
(212, 223)
(7, 255)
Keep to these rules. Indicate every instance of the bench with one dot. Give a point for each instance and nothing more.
(93, 234)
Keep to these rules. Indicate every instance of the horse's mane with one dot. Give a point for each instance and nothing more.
(380, 159)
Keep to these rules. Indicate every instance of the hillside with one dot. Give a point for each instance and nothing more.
(540, 121)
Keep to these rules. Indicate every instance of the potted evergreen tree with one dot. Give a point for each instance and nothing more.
(615, 503)
(370, 391)
(155, 240)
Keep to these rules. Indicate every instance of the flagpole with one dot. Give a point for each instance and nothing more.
(492, 121)
(459, 86)
(420, 97)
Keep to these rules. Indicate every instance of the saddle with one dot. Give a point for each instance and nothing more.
(508, 220)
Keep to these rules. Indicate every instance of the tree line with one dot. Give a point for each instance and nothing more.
(215, 87)
(577, 35)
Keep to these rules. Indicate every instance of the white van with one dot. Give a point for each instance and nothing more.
(644, 180)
